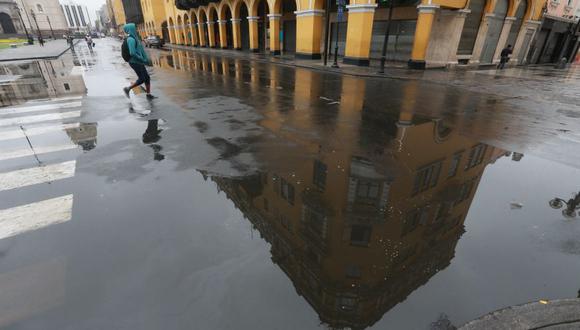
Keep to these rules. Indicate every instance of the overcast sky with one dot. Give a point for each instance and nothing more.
(92, 5)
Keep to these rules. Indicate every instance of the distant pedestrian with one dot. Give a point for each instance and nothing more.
(504, 56)
(41, 41)
(89, 43)
(134, 53)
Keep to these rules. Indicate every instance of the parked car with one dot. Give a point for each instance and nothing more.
(153, 42)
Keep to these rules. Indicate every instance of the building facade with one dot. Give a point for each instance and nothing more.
(117, 14)
(77, 16)
(44, 15)
(558, 36)
(154, 19)
(436, 33)
(11, 22)
(133, 11)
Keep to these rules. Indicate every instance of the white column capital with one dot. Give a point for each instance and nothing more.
(274, 16)
(222, 21)
(236, 20)
(510, 18)
(210, 23)
(427, 9)
(309, 12)
(362, 8)
(253, 18)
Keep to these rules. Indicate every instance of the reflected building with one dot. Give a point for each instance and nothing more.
(23, 81)
(85, 135)
(356, 236)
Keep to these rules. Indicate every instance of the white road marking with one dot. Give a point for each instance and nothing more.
(36, 175)
(66, 98)
(39, 118)
(21, 219)
(37, 130)
(5, 155)
(38, 108)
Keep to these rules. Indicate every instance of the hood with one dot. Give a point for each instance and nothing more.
(131, 30)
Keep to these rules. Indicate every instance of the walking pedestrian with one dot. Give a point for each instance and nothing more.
(89, 43)
(134, 53)
(41, 41)
(504, 56)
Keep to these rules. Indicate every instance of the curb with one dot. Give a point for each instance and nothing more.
(52, 57)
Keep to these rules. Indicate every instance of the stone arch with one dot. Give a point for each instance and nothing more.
(225, 14)
(213, 26)
(236, 5)
(171, 30)
(212, 12)
(179, 30)
(187, 31)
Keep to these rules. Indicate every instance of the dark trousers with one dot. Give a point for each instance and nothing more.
(141, 72)
(502, 62)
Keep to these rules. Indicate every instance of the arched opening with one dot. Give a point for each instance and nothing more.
(517, 24)
(494, 27)
(164, 32)
(7, 24)
(187, 30)
(202, 28)
(288, 26)
(471, 27)
(179, 30)
(244, 26)
(193, 29)
(171, 31)
(213, 17)
(263, 26)
(229, 29)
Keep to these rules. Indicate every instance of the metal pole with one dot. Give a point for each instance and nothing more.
(24, 25)
(327, 32)
(51, 31)
(36, 22)
(385, 42)
(335, 64)
(27, 17)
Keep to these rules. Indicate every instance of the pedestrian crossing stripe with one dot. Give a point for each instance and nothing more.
(21, 219)
(37, 130)
(40, 108)
(38, 150)
(36, 175)
(39, 118)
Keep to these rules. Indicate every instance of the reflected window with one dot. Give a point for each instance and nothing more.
(287, 191)
(319, 178)
(314, 221)
(285, 222)
(454, 165)
(266, 205)
(427, 177)
(353, 271)
(476, 155)
(405, 253)
(413, 219)
(465, 191)
(39, 8)
(347, 303)
(360, 235)
(367, 191)
(66, 87)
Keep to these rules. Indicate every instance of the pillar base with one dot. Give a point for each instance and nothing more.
(239, 48)
(275, 52)
(416, 65)
(356, 61)
(303, 56)
(225, 47)
(257, 50)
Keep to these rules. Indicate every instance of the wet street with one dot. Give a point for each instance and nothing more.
(250, 195)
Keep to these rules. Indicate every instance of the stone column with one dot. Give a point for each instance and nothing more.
(223, 34)
(358, 33)
(193, 31)
(445, 37)
(211, 35)
(505, 32)
(274, 33)
(237, 36)
(422, 36)
(253, 27)
(308, 33)
(201, 33)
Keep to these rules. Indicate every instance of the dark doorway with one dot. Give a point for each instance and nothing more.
(288, 26)
(7, 24)
(244, 27)
(216, 34)
(229, 30)
(165, 32)
(263, 25)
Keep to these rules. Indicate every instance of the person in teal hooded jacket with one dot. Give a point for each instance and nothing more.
(138, 61)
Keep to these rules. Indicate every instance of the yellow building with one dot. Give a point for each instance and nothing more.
(428, 33)
(118, 14)
(155, 18)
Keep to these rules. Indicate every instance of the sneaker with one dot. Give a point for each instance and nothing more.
(150, 97)
(126, 90)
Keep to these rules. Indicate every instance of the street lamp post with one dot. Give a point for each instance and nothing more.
(339, 13)
(572, 205)
(386, 41)
(327, 32)
(36, 22)
(50, 25)
(30, 41)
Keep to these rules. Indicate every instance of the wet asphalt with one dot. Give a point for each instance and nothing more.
(257, 196)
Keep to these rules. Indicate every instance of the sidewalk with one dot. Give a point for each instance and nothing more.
(51, 49)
